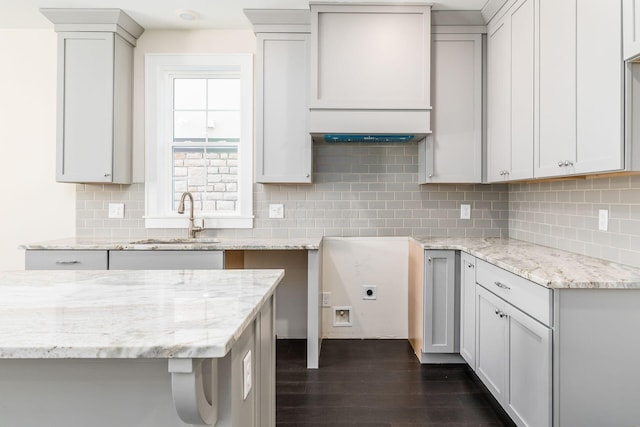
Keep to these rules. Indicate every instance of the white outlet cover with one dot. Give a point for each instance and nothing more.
(465, 211)
(246, 375)
(276, 210)
(326, 299)
(116, 210)
(603, 219)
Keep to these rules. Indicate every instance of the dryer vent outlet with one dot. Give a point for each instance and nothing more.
(369, 292)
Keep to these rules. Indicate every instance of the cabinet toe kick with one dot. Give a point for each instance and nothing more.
(194, 388)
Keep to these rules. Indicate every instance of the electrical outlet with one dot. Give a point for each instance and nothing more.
(326, 299)
(246, 375)
(465, 211)
(369, 292)
(603, 219)
(116, 210)
(276, 211)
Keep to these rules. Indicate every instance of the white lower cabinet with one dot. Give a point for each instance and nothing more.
(166, 260)
(514, 359)
(468, 309)
(65, 260)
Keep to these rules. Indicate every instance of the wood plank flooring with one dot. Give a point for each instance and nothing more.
(377, 383)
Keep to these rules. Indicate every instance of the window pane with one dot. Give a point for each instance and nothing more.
(210, 174)
(224, 94)
(223, 124)
(189, 126)
(189, 94)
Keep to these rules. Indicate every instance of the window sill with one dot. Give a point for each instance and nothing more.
(182, 222)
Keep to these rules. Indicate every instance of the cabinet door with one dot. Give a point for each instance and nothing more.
(165, 260)
(456, 87)
(468, 309)
(283, 143)
(556, 143)
(599, 87)
(631, 28)
(439, 302)
(491, 341)
(85, 107)
(522, 32)
(528, 392)
(498, 101)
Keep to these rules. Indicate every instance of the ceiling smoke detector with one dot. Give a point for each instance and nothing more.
(187, 15)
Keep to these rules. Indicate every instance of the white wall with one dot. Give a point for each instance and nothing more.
(350, 263)
(168, 41)
(34, 207)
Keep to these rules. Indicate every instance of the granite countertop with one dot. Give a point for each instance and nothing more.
(204, 243)
(552, 268)
(128, 314)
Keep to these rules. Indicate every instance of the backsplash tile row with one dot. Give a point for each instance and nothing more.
(564, 215)
(357, 191)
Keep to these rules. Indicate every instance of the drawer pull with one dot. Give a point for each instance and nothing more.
(471, 266)
(67, 262)
(502, 286)
(502, 314)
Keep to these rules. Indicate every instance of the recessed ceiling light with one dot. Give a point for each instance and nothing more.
(187, 15)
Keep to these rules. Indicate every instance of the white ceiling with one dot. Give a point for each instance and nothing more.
(161, 14)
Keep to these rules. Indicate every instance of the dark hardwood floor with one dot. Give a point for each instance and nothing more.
(377, 383)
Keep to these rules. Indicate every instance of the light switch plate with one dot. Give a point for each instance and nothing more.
(603, 219)
(116, 210)
(276, 211)
(465, 211)
(246, 375)
(326, 299)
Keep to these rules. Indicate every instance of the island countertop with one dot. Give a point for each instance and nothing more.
(128, 314)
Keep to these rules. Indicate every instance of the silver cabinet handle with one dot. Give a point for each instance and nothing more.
(568, 163)
(500, 313)
(560, 163)
(67, 262)
(429, 259)
(471, 266)
(308, 175)
(502, 285)
(106, 174)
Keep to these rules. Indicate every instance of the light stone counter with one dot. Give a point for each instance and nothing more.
(128, 314)
(204, 243)
(552, 268)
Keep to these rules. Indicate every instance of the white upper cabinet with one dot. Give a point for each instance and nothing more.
(370, 68)
(95, 86)
(580, 98)
(510, 94)
(631, 28)
(457, 112)
(283, 142)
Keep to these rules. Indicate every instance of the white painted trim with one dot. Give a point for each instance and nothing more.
(158, 71)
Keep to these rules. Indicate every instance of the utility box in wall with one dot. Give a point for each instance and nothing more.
(95, 92)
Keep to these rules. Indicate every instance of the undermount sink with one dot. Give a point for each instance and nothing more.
(174, 241)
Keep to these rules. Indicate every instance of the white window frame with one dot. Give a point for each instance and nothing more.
(159, 72)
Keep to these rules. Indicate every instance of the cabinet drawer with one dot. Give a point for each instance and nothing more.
(165, 260)
(65, 260)
(529, 297)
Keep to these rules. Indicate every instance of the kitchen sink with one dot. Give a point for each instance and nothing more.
(175, 241)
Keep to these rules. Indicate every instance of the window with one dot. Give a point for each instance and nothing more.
(199, 139)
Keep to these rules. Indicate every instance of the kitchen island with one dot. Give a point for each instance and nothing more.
(138, 348)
